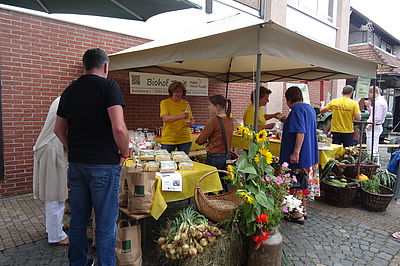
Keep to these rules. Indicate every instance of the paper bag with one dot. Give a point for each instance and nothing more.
(128, 247)
(141, 191)
(123, 187)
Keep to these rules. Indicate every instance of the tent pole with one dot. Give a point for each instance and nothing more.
(373, 122)
(257, 90)
(227, 79)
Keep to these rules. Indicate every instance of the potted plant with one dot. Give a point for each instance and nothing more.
(374, 196)
(265, 193)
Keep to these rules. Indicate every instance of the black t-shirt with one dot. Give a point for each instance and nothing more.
(84, 105)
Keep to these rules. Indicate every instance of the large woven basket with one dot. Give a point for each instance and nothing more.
(342, 197)
(219, 207)
(350, 170)
(376, 202)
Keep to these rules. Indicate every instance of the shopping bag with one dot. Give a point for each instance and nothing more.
(128, 246)
(140, 191)
(123, 188)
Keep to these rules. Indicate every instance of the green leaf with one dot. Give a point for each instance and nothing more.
(253, 188)
(265, 201)
(263, 164)
(249, 169)
(253, 148)
(269, 170)
(257, 209)
(248, 212)
(251, 176)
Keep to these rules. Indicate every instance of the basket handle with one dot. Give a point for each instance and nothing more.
(210, 173)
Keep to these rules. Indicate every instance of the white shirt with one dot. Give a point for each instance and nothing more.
(381, 110)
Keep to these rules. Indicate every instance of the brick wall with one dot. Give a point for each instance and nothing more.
(39, 58)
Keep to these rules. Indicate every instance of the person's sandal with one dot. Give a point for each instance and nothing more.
(305, 215)
(396, 235)
(297, 220)
(64, 242)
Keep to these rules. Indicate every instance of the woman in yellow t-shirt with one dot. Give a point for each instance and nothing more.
(177, 119)
(248, 116)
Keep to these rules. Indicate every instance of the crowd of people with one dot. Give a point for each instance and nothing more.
(87, 122)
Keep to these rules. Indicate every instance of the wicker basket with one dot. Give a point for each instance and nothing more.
(219, 207)
(376, 202)
(339, 196)
(350, 170)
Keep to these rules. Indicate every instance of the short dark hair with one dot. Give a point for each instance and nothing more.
(221, 101)
(263, 91)
(293, 94)
(176, 85)
(348, 89)
(94, 58)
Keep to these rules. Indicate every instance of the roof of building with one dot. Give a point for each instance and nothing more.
(360, 19)
(390, 63)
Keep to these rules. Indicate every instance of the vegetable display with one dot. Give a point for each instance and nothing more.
(188, 234)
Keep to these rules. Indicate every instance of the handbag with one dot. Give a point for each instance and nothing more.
(228, 153)
(301, 178)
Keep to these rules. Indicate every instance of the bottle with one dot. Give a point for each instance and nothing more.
(187, 112)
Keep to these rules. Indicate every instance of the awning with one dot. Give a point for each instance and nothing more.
(213, 53)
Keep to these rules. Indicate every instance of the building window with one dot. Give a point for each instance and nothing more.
(322, 9)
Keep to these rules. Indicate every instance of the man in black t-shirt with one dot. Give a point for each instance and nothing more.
(90, 122)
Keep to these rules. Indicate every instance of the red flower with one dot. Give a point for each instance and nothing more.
(256, 239)
(264, 217)
(265, 235)
(259, 219)
(305, 192)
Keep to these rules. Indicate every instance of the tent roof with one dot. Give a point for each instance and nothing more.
(215, 51)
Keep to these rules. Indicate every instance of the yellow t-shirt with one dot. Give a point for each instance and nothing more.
(248, 116)
(343, 111)
(176, 132)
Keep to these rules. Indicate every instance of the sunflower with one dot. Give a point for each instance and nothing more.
(249, 134)
(257, 158)
(242, 130)
(249, 199)
(231, 173)
(261, 136)
(267, 154)
(243, 194)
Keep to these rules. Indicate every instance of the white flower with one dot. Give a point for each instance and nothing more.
(292, 203)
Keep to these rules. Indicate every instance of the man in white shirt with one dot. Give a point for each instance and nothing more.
(381, 109)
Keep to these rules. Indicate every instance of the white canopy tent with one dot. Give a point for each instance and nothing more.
(267, 51)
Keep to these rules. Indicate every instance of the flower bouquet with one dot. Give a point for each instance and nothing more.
(263, 188)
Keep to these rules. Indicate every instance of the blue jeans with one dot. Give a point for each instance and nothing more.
(218, 160)
(98, 186)
(181, 147)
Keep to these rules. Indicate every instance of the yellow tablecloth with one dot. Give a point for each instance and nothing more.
(194, 147)
(211, 183)
(275, 148)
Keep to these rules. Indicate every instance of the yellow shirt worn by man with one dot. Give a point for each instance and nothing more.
(248, 116)
(176, 132)
(343, 111)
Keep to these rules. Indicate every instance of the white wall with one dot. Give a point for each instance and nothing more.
(310, 27)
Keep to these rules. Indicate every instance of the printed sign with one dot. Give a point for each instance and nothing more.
(157, 84)
(304, 90)
(362, 87)
(170, 181)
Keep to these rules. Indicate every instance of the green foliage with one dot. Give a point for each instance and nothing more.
(385, 177)
(372, 185)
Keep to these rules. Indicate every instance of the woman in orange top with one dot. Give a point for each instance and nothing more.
(217, 152)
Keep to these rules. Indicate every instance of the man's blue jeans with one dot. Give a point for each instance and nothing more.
(97, 186)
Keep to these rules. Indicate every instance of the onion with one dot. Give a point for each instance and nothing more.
(167, 255)
(215, 231)
(172, 251)
(185, 249)
(161, 240)
(211, 239)
(192, 251)
(173, 257)
(203, 242)
(179, 250)
(170, 246)
(200, 249)
(199, 235)
(201, 227)
(184, 237)
(164, 247)
(177, 238)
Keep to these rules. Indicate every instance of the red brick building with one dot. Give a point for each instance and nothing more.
(40, 57)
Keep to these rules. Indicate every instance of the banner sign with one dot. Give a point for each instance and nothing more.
(157, 84)
(362, 87)
(304, 90)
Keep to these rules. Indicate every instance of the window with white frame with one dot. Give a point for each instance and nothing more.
(322, 9)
